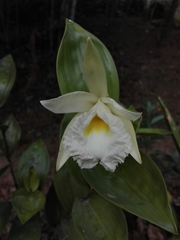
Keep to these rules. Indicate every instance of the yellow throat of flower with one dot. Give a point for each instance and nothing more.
(96, 125)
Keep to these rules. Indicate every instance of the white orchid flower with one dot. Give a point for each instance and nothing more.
(101, 131)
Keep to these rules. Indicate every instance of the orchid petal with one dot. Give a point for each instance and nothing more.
(62, 158)
(94, 71)
(71, 102)
(62, 154)
(119, 110)
(135, 150)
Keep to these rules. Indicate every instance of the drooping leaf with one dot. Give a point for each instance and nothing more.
(31, 230)
(5, 210)
(53, 207)
(171, 124)
(152, 131)
(10, 133)
(137, 188)
(36, 156)
(96, 218)
(27, 204)
(7, 77)
(70, 184)
(69, 65)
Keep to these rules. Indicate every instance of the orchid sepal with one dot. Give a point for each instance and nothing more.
(94, 71)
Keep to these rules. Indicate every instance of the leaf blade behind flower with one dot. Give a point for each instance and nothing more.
(139, 189)
(70, 57)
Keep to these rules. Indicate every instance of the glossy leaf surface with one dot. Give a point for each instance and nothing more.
(98, 219)
(36, 156)
(9, 135)
(137, 188)
(27, 204)
(5, 210)
(69, 65)
(7, 77)
(31, 230)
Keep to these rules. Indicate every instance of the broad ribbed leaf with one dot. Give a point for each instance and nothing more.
(10, 133)
(31, 230)
(7, 77)
(27, 204)
(5, 210)
(98, 219)
(69, 65)
(152, 131)
(36, 156)
(70, 184)
(171, 124)
(137, 188)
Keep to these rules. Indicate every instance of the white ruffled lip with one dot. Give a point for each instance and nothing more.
(98, 147)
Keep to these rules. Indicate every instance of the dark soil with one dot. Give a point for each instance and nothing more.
(144, 64)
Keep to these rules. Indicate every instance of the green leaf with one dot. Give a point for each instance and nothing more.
(152, 131)
(96, 218)
(69, 230)
(10, 133)
(137, 188)
(171, 124)
(36, 156)
(7, 77)
(70, 184)
(5, 210)
(31, 230)
(70, 57)
(27, 204)
(2, 170)
(53, 208)
(157, 119)
(31, 180)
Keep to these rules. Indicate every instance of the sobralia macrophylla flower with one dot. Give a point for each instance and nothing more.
(101, 131)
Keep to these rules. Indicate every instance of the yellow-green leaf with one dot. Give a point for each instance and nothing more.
(27, 204)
